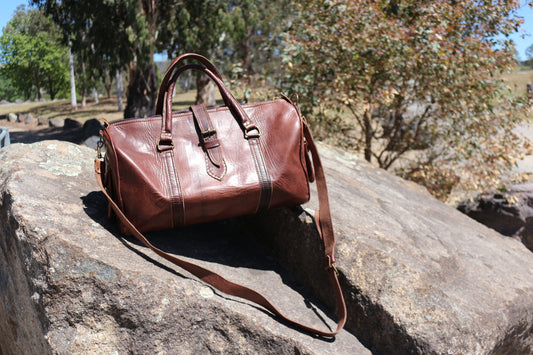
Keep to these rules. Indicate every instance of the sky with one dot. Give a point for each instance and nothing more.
(523, 39)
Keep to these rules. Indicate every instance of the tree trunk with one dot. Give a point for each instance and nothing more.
(368, 135)
(38, 85)
(73, 102)
(142, 91)
(83, 86)
(108, 82)
(95, 95)
(52, 90)
(120, 91)
(205, 90)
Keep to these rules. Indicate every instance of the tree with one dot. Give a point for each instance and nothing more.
(110, 35)
(252, 46)
(7, 90)
(195, 26)
(395, 76)
(529, 55)
(31, 55)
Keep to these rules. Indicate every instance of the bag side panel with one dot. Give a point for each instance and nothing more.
(282, 144)
(142, 189)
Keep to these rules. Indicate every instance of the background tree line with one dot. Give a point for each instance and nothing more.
(389, 78)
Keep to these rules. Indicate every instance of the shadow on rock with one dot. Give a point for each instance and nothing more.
(216, 246)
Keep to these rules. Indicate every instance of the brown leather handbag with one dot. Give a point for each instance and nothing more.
(181, 168)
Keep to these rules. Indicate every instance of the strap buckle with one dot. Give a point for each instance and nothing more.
(99, 146)
(163, 145)
(208, 133)
(249, 132)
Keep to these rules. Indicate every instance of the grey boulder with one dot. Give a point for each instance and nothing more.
(509, 212)
(419, 277)
(71, 284)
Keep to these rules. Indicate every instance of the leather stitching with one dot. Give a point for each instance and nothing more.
(268, 179)
(212, 173)
(169, 189)
(263, 175)
(252, 150)
(175, 195)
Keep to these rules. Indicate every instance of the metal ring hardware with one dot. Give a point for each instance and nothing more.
(168, 146)
(247, 134)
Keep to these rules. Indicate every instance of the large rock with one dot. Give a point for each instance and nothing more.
(91, 128)
(56, 122)
(70, 284)
(12, 117)
(509, 212)
(71, 123)
(418, 276)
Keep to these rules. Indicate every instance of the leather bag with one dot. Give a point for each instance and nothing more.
(206, 164)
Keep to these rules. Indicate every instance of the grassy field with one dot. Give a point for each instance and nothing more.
(106, 108)
(518, 80)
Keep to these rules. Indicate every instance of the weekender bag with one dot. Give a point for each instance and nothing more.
(205, 164)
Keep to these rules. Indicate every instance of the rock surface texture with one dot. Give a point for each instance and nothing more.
(70, 284)
(419, 277)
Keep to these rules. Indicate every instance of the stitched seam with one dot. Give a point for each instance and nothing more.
(303, 151)
(252, 149)
(177, 199)
(267, 176)
(169, 188)
(264, 180)
(210, 172)
(186, 113)
(175, 196)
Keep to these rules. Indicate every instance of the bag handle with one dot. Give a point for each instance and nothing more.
(172, 67)
(325, 229)
(166, 125)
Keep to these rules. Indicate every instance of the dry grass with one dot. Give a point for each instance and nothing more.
(106, 108)
(518, 80)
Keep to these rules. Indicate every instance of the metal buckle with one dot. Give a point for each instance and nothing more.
(169, 146)
(99, 146)
(247, 134)
(208, 133)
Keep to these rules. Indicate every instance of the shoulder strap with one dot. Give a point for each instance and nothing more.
(325, 229)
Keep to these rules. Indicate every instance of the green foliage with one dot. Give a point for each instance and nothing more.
(255, 36)
(110, 35)
(192, 26)
(31, 55)
(244, 37)
(7, 91)
(394, 76)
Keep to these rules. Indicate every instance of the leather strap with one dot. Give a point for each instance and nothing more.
(244, 121)
(215, 165)
(172, 67)
(325, 229)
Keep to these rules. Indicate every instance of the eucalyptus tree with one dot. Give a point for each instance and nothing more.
(114, 35)
(389, 77)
